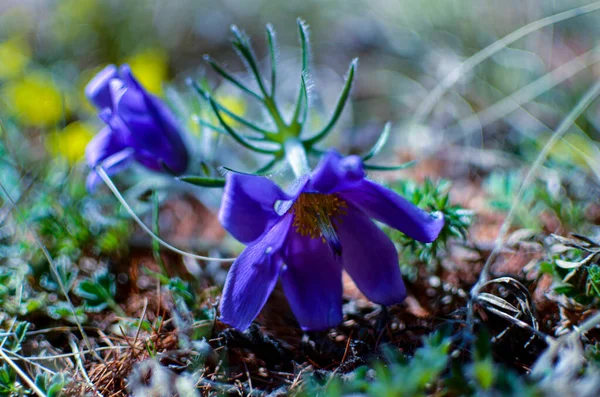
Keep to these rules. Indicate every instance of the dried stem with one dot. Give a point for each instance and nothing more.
(566, 124)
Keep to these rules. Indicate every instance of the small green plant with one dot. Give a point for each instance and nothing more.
(67, 273)
(396, 375)
(68, 222)
(541, 197)
(433, 196)
(53, 385)
(13, 343)
(434, 369)
(7, 278)
(8, 382)
(62, 311)
(98, 292)
(403, 377)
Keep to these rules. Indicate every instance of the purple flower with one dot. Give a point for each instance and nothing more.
(139, 127)
(307, 237)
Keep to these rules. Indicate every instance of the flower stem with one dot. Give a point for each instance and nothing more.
(275, 114)
(295, 155)
(115, 307)
(156, 230)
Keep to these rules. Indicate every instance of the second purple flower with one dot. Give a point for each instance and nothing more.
(139, 127)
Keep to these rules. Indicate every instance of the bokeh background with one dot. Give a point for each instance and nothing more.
(50, 49)
(483, 133)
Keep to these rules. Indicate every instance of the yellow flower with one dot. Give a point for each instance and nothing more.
(234, 104)
(150, 68)
(15, 54)
(35, 100)
(70, 143)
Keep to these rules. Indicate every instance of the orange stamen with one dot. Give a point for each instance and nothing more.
(311, 210)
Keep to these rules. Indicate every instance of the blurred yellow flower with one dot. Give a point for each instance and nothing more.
(34, 99)
(70, 143)
(234, 104)
(150, 68)
(15, 54)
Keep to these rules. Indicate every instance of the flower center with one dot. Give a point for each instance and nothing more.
(314, 214)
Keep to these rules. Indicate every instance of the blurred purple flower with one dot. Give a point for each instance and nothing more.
(139, 128)
(307, 237)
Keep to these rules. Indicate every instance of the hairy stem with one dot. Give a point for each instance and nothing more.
(296, 157)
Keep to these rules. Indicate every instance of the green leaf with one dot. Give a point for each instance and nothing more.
(381, 141)
(8, 378)
(483, 372)
(182, 289)
(163, 279)
(374, 167)
(98, 292)
(227, 76)
(204, 181)
(67, 273)
(271, 41)
(204, 94)
(261, 171)
(20, 333)
(301, 104)
(62, 311)
(52, 387)
(305, 44)
(55, 390)
(339, 108)
(205, 168)
(41, 381)
(237, 137)
(546, 268)
(483, 347)
(242, 44)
